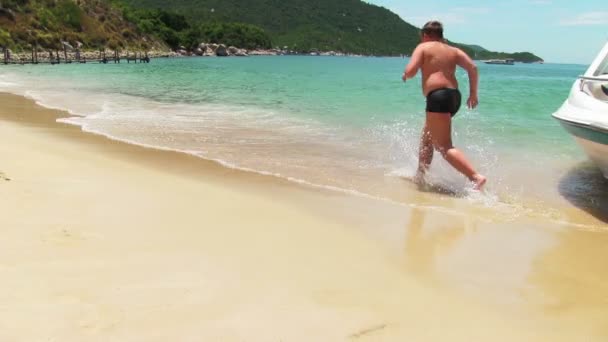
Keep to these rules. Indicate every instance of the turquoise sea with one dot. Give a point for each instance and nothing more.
(348, 124)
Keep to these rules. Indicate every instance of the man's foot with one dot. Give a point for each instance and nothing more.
(419, 178)
(478, 182)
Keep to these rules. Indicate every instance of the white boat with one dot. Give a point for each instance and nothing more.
(508, 61)
(585, 113)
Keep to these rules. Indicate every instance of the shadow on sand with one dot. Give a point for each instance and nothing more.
(585, 187)
(436, 188)
(441, 190)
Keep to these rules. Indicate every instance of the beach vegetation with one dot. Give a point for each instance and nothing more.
(177, 31)
(93, 23)
(5, 38)
(68, 14)
(349, 26)
(301, 25)
(477, 52)
(232, 34)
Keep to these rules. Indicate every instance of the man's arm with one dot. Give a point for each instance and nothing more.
(465, 62)
(415, 63)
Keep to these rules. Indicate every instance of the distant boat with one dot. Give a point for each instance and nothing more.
(585, 113)
(507, 61)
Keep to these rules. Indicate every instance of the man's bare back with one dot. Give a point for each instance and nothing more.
(437, 61)
(438, 66)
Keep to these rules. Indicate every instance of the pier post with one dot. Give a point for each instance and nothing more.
(5, 54)
(65, 53)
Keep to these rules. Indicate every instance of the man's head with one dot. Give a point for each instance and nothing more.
(432, 31)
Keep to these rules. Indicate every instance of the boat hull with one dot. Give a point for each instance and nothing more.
(592, 140)
(585, 112)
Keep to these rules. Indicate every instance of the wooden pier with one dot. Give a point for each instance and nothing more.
(54, 57)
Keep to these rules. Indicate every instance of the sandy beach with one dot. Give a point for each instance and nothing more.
(105, 241)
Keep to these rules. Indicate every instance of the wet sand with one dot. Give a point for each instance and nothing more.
(108, 241)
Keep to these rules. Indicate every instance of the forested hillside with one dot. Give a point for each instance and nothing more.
(304, 25)
(46, 23)
(351, 26)
(480, 53)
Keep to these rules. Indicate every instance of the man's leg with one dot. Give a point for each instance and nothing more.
(440, 127)
(425, 156)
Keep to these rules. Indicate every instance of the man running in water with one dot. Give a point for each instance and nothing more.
(438, 62)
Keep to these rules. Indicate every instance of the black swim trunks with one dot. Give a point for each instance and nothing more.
(443, 100)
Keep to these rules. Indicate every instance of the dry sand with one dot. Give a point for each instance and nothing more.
(104, 241)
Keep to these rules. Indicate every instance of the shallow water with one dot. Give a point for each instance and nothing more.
(348, 124)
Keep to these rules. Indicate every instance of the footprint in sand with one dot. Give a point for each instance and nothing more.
(63, 237)
(4, 177)
(68, 237)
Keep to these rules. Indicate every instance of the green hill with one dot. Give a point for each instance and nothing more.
(46, 23)
(350, 26)
(305, 25)
(480, 53)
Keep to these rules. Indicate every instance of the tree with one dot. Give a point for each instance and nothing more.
(5, 39)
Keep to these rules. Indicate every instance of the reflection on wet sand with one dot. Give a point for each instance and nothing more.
(553, 275)
(423, 245)
(573, 281)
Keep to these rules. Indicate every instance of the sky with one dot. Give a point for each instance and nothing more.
(559, 31)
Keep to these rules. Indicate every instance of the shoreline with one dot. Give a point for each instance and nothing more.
(125, 238)
(492, 207)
